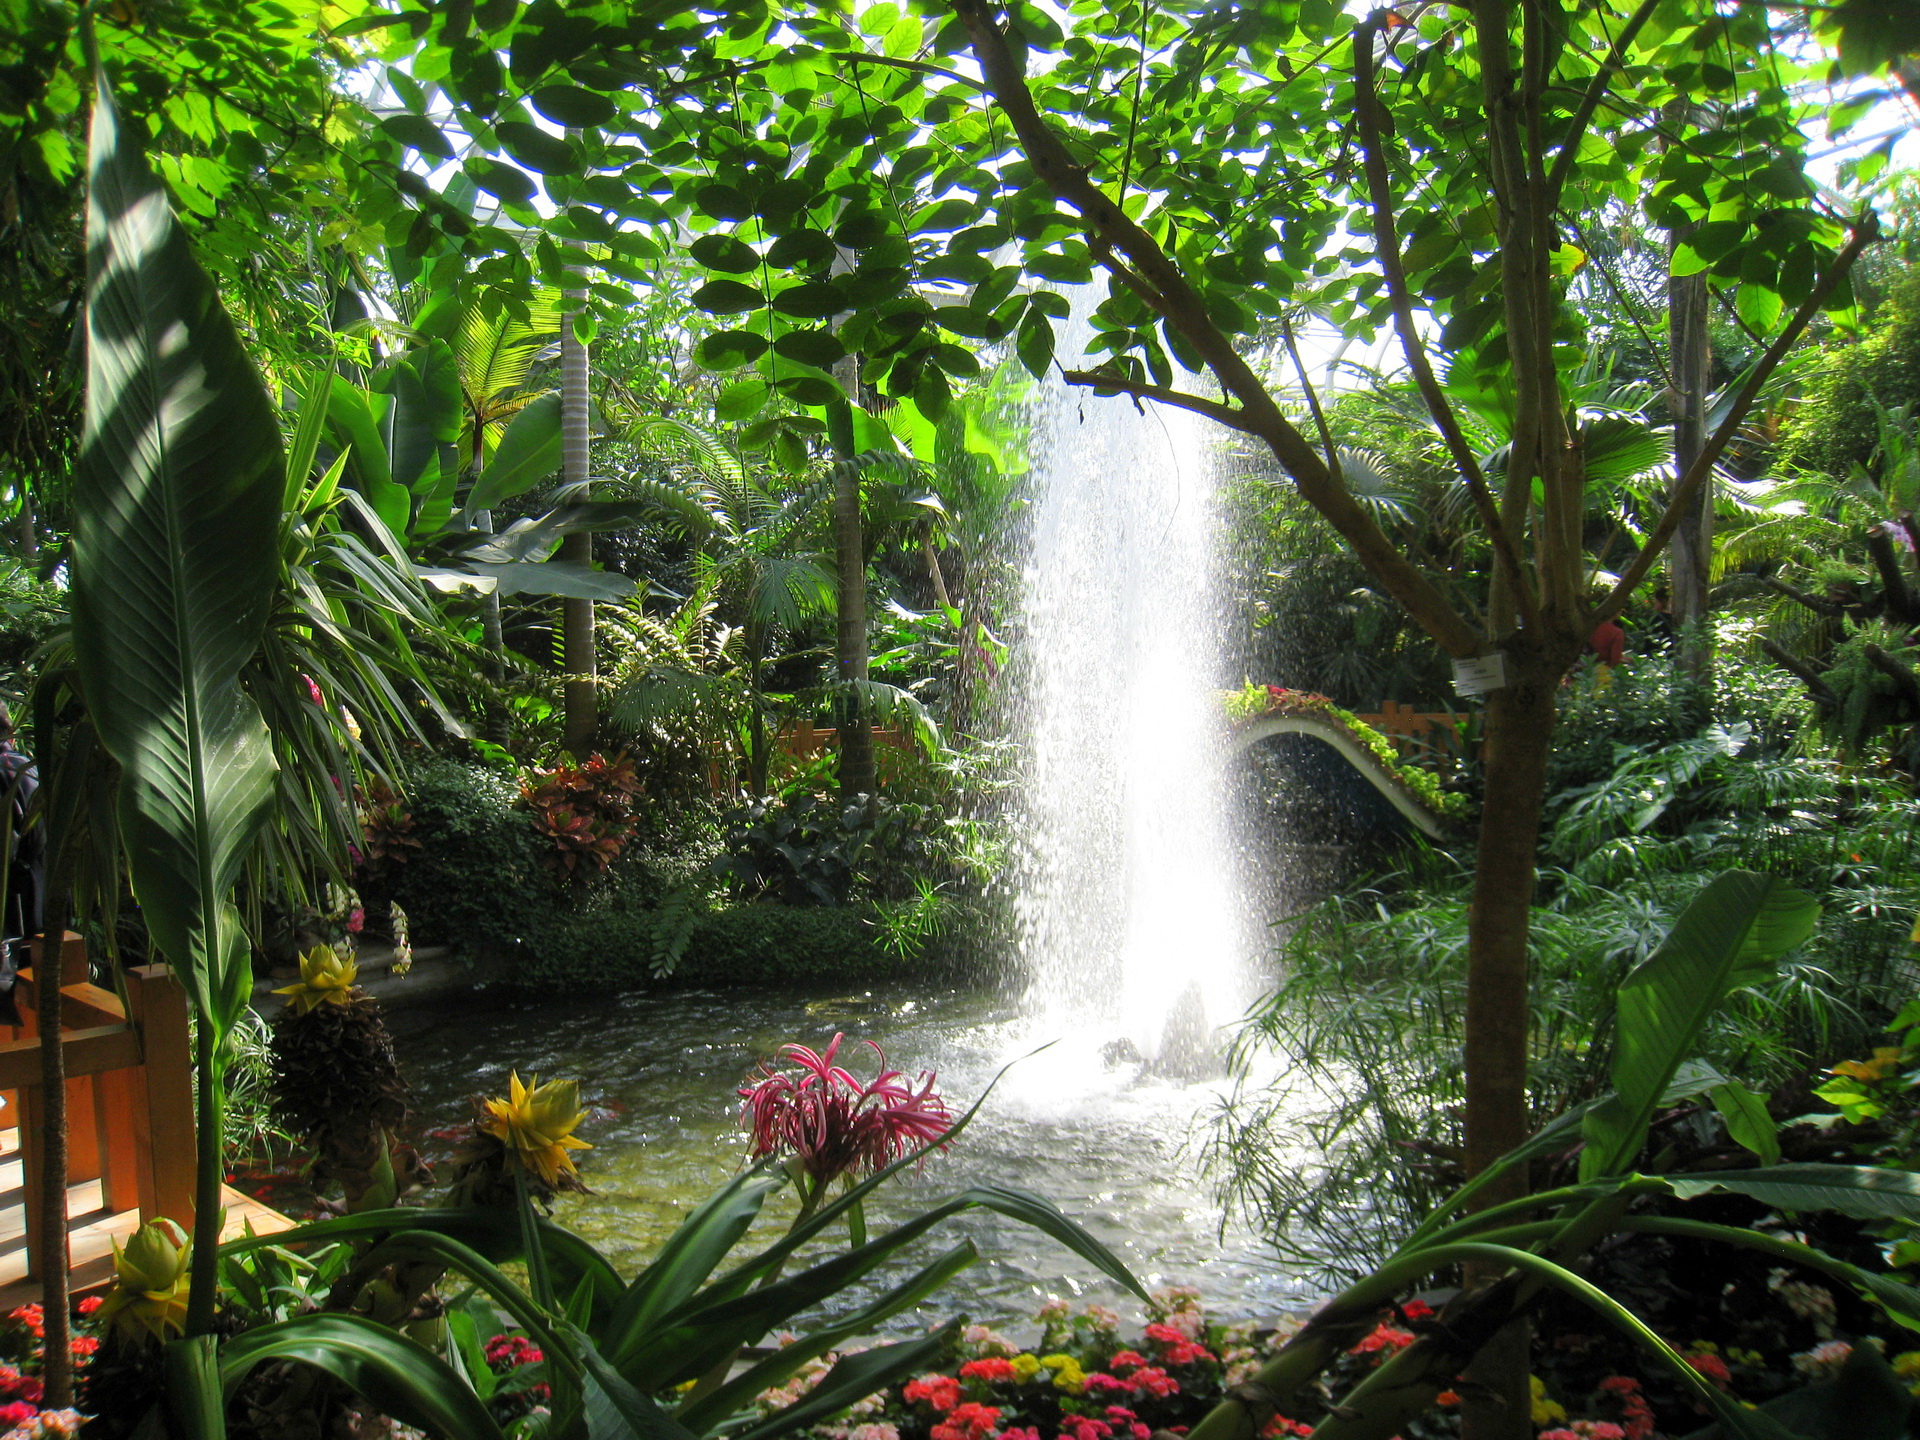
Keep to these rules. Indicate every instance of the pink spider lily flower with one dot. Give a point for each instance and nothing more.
(832, 1124)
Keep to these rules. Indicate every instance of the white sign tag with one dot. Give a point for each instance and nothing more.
(1480, 674)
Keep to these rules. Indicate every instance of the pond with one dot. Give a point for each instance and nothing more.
(1115, 1149)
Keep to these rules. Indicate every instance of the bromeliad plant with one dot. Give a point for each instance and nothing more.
(624, 1359)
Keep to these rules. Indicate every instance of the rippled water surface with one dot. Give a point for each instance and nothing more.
(1116, 1150)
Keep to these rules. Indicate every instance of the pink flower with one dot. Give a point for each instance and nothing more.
(1711, 1366)
(17, 1413)
(1175, 1348)
(1098, 1384)
(90, 1304)
(942, 1392)
(1562, 1434)
(1383, 1337)
(822, 1115)
(1416, 1310)
(1155, 1381)
(1127, 1360)
(1084, 1427)
(356, 920)
(313, 691)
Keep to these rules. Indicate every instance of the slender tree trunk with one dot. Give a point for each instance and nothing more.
(1498, 1019)
(857, 774)
(1688, 362)
(932, 557)
(57, 1374)
(576, 616)
(756, 714)
(29, 526)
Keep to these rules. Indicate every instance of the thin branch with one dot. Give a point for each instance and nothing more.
(1233, 419)
(1865, 231)
(1821, 692)
(1896, 670)
(1386, 240)
(1260, 415)
(1801, 597)
(919, 67)
(1313, 398)
(1596, 92)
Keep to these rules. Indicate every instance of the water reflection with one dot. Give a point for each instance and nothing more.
(1116, 1149)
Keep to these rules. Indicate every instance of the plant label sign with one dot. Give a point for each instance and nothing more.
(1480, 674)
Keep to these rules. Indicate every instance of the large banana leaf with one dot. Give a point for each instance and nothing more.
(1731, 935)
(1862, 1191)
(528, 453)
(177, 499)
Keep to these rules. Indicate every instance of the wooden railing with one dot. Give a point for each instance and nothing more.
(1402, 724)
(798, 741)
(129, 1092)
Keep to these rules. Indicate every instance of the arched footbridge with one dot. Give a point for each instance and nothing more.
(1432, 815)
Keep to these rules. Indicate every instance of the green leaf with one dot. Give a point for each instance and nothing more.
(403, 1380)
(851, 1380)
(730, 349)
(725, 253)
(555, 577)
(819, 348)
(503, 181)
(418, 132)
(536, 149)
(742, 401)
(691, 1254)
(1862, 1191)
(1747, 1119)
(528, 453)
(1730, 936)
(570, 105)
(176, 496)
(727, 297)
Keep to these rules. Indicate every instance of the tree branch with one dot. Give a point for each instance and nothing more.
(1386, 239)
(1898, 671)
(1865, 232)
(1801, 597)
(1313, 399)
(1186, 310)
(1801, 671)
(1233, 419)
(1590, 102)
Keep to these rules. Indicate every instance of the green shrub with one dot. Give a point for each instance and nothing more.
(477, 879)
(611, 937)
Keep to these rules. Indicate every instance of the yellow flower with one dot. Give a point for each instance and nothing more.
(1025, 1367)
(149, 1295)
(1545, 1411)
(537, 1122)
(1067, 1374)
(326, 977)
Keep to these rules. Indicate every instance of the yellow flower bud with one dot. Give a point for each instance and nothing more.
(149, 1295)
(326, 978)
(536, 1123)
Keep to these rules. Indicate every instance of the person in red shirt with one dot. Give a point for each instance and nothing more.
(1609, 642)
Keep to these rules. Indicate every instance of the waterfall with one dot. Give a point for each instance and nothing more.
(1131, 921)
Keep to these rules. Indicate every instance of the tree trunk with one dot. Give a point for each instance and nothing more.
(1519, 737)
(29, 527)
(1689, 359)
(857, 774)
(57, 1373)
(576, 615)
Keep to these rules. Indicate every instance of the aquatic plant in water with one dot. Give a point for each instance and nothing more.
(831, 1124)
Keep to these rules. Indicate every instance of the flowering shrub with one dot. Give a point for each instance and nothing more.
(22, 1342)
(585, 812)
(1084, 1380)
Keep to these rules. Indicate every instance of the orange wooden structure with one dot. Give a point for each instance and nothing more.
(799, 741)
(131, 1146)
(1402, 724)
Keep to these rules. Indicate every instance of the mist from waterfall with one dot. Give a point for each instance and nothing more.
(1131, 922)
